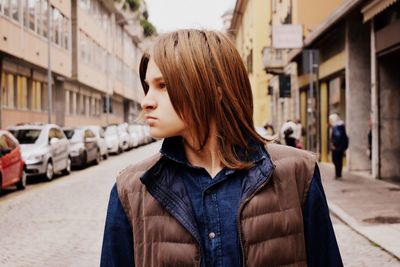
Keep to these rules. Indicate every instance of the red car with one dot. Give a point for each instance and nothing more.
(11, 163)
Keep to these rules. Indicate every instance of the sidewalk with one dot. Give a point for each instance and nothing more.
(371, 207)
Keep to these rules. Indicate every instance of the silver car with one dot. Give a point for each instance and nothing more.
(100, 137)
(44, 147)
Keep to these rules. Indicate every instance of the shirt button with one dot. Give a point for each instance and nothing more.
(211, 235)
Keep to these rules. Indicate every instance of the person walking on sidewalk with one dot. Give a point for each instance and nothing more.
(217, 193)
(339, 142)
(288, 131)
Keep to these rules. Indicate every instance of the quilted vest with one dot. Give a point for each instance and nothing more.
(271, 222)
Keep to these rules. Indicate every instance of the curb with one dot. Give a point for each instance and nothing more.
(352, 223)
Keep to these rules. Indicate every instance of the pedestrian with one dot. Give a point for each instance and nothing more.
(216, 194)
(288, 133)
(339, 142)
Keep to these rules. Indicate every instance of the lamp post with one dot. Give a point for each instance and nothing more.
(49, 80)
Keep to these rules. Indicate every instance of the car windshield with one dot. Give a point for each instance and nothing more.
(27, 136)
(68, 133)
(111, 131)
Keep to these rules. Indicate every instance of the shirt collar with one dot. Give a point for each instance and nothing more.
(172, 148)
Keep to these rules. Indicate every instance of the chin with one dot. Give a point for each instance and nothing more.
(160, 134)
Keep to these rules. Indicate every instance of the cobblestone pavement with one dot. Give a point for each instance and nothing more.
(357, 251)
(61, 223)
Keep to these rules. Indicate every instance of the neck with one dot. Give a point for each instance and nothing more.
(207, 157)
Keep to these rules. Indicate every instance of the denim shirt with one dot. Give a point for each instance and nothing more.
(215, 203)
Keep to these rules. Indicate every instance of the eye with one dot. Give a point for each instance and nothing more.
(163, 85)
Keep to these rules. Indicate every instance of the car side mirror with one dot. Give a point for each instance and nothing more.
(54, 141)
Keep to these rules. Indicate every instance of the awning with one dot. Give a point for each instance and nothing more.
(375, 7)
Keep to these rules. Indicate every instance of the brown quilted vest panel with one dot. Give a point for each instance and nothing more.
(272, 230)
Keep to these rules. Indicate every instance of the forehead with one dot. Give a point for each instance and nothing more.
(153, 72)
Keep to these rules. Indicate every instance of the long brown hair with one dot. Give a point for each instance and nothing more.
(208, 83)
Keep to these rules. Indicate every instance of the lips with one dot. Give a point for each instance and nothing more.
(150, 118)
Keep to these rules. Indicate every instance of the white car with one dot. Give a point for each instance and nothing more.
(124, 136)
(113, 141)
(44, 148)
(135, 135)
(100, 137)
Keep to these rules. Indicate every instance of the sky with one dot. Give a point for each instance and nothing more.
(169, 15)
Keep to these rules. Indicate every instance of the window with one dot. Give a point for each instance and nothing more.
(59, 134)
(45, 97)
(7, 90)
(56, 25)
(45, 7)
(14, 8)
(27, 136)
(39, 23)
(92, 107)
(72, 103)
(84, 4)
(65, 33)
(11, 144)
(36, 96)
(83, 46)
(6, 7)
(3, 142)
(89, 134)
(22, 92)
(66, 111)
(29, 14)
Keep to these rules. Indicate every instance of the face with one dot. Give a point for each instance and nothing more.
(159, 112)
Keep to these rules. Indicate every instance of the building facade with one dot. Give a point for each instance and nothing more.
(93, 56)
(250, 17)
(356, 49)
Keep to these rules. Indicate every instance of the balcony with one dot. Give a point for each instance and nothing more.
(274, 60)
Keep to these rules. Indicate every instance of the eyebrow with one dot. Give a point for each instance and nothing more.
(157, 79)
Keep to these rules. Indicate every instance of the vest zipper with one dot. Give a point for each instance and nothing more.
(240, 211)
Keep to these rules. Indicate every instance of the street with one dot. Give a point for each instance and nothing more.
(61, 223)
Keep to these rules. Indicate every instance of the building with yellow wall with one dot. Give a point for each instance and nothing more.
(249, 27)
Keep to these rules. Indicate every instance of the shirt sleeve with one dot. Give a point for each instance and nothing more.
(321, 246)
(117, 241)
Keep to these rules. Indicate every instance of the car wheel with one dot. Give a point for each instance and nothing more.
(49, 171)
(105, 156)
(67, 170)
(22, 183)
(84, 159)
(98, 157)
(119, 150)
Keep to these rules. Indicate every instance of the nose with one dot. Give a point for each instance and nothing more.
(148, 101)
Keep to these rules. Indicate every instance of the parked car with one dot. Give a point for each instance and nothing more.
(11, 163)
(114, 143)
(137, 130)
(101, 141)
(44, 149)
(135, 135)
(83, 147)
(146, 130)
(124, 136)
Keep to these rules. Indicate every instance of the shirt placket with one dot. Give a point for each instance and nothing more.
(213, 226)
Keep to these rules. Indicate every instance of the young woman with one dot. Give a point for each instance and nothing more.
(216, 194)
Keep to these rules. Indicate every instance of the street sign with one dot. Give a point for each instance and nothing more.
(287, 36)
